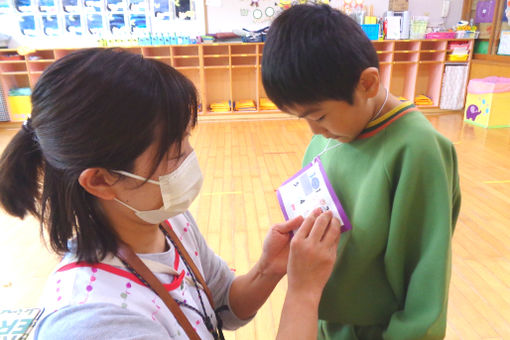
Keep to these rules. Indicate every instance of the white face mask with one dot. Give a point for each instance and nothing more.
(178, 189)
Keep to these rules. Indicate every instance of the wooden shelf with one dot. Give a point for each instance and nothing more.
(217, 67)
(41, 61)
(158, 57)
(232, 71)
(432, 51)
(14, 73)
(187, 67)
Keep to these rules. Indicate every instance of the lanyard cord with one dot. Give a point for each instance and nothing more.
(327, 147)
(180, 303)
(217, 333)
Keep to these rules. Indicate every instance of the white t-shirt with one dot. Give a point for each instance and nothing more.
(101, 301)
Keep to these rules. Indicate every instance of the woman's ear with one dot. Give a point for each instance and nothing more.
(98, 182)
(370, 81)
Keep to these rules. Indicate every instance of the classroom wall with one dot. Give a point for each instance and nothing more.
(228, 15)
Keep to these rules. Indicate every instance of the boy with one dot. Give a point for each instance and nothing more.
(395, 175)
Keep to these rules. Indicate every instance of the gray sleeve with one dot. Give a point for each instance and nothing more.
(93, 321)
(219, 278)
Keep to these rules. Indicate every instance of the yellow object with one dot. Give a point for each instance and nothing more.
(457, 57)
(489, 110)
(245, 105)
(370, 20)
(24, 50)
(20, 108)
(423, 100)
(266, 104)
(220, 106)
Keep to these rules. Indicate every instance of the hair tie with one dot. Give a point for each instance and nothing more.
(28, 128)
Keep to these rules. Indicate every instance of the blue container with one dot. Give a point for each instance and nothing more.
(372, 31)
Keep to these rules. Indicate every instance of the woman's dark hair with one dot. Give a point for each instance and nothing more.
(92, 108)
(314, 53)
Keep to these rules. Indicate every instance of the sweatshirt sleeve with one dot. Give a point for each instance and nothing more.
(425, 207)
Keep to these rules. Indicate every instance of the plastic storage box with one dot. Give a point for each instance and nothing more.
(371, 30)
(20, 105)
(487, 102)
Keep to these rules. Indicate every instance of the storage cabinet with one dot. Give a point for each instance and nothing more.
(226, 74)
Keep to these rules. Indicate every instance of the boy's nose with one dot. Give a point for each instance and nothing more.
(316, 128)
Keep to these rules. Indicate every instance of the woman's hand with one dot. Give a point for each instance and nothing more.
(313, 253)
(311, 260)
(275, 251)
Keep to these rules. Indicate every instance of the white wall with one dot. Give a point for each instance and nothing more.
(227, 17)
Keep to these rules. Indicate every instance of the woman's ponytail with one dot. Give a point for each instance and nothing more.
(19, 174)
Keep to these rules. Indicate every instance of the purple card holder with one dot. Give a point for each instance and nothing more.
(347, 224)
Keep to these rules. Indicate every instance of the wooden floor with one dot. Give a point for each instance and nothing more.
(244, 162)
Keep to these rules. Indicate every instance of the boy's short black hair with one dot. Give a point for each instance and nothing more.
(314, 53)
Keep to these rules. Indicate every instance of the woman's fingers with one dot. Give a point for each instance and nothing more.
(287, 227)
(320, 226)
(307, 225)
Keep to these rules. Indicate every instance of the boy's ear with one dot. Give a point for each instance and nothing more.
(369, 81)
(98, 182)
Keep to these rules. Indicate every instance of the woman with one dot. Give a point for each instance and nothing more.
(106, 165)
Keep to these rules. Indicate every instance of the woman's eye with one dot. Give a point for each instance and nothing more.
(321, 118)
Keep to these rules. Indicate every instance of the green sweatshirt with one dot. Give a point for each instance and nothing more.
(398, 184)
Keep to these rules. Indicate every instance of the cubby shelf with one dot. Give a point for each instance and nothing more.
(231, 72)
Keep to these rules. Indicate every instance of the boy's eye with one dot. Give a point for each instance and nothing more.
(320, 118)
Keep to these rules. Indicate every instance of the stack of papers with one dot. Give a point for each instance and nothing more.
(266, 104)
(221, 106)
(245, 105)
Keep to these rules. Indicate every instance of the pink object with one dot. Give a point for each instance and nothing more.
(489, 85)
(440, 35)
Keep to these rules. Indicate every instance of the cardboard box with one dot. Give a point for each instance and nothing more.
(398, 5)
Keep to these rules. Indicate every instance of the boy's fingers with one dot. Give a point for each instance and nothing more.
(320, 226)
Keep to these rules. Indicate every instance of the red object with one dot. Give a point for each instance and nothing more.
(11, 57)
(440, 35)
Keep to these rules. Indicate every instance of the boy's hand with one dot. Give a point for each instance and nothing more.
(313, 253)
